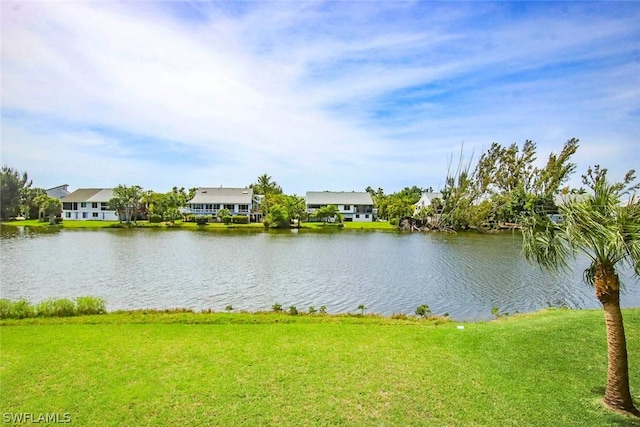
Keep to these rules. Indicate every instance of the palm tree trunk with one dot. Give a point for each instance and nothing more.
(617, 394)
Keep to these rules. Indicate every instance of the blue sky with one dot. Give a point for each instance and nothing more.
(319, 95)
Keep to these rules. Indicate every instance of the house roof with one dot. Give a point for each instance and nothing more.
(560, 199)
(104, 195)
(338, 198)
(58, 192)
(223, 195)
(426, 198)
(89, 195)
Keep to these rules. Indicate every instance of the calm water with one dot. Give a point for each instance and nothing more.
(464, 275)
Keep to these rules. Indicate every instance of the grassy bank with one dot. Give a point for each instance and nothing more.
(89, 224)
(546, 368)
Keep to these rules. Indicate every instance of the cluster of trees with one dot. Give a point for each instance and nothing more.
(501, 187)
(132, 202)
(18, 197)
(392, 207)
(279, 210)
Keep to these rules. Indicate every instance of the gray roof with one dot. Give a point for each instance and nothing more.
(338, 198)
(223, 195)
(89, 195)
(427, 198)
(560, 199)
(58, 192)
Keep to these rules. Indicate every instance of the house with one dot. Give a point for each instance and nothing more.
(353, 206)
(58, 192)
(210, 200)
(425, 201)
(88, 204)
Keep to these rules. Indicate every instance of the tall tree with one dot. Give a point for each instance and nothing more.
(127, 201)
(608, 233)
(265, 185)
(12, 186)
(28, 201)
(297, 208)
(49, 207)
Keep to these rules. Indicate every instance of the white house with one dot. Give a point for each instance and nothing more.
(354, 206)
(425, 200)
(88, 204)
(210, 200)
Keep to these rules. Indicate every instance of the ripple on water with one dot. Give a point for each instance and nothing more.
(464, 275)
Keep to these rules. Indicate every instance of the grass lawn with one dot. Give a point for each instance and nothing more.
(382, 225)
(541, 369)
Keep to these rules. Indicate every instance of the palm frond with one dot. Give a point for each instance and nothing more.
(544, 243)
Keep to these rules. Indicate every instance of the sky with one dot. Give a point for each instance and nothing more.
(319, 95)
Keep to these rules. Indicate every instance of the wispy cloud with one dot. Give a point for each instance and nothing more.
(328, 95)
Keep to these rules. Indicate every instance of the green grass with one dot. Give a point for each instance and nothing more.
(91, 224)
(152, 368)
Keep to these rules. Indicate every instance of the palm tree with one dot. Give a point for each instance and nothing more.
(264, 185)
(608, 233)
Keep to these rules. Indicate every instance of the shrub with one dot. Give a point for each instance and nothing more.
(312, 310)
(227, 219)
(155, 218)
(19, 309)
(58, 220)
(229, 307)
(423, 310)
(241, 219)
(191, 218)
(90, 305)
(399, 316)
(5, 308)
(394, 222)
(202, 220)
(52, 307)
(323, 309)
(277, 307)
(293, 310)
(362, 308)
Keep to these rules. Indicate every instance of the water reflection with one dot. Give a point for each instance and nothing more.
(464, 275)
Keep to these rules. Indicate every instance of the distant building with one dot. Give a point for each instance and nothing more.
(210, 200)
(58, 192)
(88, 204)
(353, 206)
(425, 200)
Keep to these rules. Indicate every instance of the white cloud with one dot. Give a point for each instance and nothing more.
(305, 92)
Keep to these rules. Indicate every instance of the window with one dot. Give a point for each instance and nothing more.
(229, 207)
(83, 204)
(104, 206)
(244, 208)
(357, 215)
(94, 205)
(95, 214)
(366, 216)
(85, 215)
(67, 214)
(347, 207)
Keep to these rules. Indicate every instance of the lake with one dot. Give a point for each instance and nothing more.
(464, 275)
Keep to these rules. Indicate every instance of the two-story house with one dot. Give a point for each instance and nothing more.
(353, 206)
(88, 204)
(210, 200)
